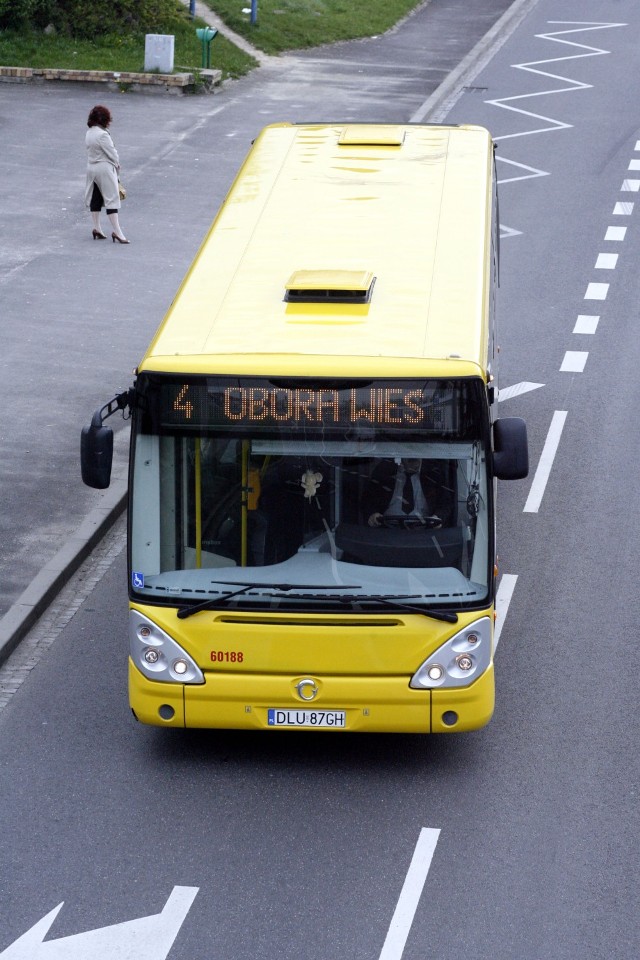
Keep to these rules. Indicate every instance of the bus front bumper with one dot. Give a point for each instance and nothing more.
(243, 701)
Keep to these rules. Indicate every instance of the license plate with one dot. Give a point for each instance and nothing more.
(306, 718)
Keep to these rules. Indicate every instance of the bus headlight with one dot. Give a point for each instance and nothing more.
(459, 661)
(157, 655)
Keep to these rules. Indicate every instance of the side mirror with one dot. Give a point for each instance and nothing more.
(510, 449)
(96, 453)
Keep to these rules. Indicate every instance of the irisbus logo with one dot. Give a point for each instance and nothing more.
(307, 689)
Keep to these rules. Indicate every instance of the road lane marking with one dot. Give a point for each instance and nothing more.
(623, 209)
(597, 291)
(147, 938)
(574, 361)
(586, 323)
(545, 464)
(503, 599)
(506, 231)
(630, 186)
(531, 174)
(615, 233)
(517, 389)
(410, 895)
(606, 261)
(634, 165)
(571, 85)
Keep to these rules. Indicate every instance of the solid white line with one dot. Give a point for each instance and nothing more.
(547, 457)
(574, 361)
(615, 233)
(606, 261)
(597, 291)
(586, 323)
(410, 895)
(503, 599)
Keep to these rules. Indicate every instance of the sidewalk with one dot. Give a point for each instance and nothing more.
(213, 20)
(76, 315)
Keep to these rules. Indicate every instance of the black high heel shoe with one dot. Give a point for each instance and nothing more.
(114, 237)
(98, 236)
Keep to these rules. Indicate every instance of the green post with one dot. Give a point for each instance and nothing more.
(206, 35)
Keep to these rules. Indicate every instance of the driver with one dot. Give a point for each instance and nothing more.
(397, 488)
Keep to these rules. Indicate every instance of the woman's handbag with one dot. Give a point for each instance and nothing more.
(122, 191)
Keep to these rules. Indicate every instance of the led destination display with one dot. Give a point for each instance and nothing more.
(260, 405)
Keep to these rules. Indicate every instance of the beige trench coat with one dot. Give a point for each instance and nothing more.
(103, 164)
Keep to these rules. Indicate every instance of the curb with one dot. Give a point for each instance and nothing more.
(451, 86)
(175, 83)
(32, 603)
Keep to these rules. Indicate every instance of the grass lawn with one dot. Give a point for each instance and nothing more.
(281, 25)
(124, 52)
(294, 24)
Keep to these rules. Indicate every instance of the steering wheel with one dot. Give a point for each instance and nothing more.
(408, 522)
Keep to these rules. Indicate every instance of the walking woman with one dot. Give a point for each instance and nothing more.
(103, 165)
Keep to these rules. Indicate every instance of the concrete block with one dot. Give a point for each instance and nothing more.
(158, 52)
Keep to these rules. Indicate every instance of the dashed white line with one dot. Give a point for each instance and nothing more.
(615, 233)
(410, 895)
(547, 457)
(597, 291)
(623, 209)
(574, 361)
(606, 261)
(586, 323)
(630, 186)
(634, 165)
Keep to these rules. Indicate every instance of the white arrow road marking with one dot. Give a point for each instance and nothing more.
(148, 938)
(517, 389)
(410, 895)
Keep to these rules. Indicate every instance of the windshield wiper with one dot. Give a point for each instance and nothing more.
(447, 615)
(214, 602)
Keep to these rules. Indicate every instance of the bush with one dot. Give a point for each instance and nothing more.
(21, 13)
(88, 18)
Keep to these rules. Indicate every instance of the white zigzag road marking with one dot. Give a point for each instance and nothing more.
(506, 231)
(505, 103)
(533, 171)
(571, 86)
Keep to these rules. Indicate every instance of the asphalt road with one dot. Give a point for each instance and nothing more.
(299, 845)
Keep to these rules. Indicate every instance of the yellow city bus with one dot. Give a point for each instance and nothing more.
(313, 450)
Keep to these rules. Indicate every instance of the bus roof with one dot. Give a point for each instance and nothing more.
(394, 219)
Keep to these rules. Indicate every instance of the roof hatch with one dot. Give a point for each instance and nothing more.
(329, 286)
(367, 134)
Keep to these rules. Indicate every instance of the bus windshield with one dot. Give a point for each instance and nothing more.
(257, 493)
